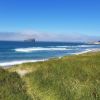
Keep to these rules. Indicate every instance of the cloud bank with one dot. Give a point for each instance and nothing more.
(42, 36)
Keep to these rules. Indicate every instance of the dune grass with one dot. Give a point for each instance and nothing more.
(68, 78)
(12, 87)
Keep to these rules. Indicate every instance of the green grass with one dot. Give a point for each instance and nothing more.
(68, 78)
(12, 86)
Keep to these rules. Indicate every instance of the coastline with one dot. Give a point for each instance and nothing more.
(12, 63)
(79, 72)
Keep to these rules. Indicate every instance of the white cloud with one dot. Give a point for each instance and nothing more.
(43, 36)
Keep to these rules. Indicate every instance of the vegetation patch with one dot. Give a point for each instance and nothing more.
(12, 87)
(68, 78)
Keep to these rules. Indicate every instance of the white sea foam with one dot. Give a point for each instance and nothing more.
(82, 52)
(38, 49)
(73, 46)
(59, 46)
(86, 45)
(50, 48)
(88, 50)
(11, 63)
(83, 46)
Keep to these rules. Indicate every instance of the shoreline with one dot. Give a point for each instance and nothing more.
(12, 63)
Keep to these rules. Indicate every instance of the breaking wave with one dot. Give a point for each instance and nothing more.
(73, 46)
(82, 52)
(38, 49)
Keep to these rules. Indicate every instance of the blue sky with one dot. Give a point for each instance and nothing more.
(76, 17)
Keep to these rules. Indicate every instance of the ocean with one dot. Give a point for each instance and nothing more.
(12, 53)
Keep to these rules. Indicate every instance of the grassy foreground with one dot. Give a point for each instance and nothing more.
(12, 87)
(68, 78)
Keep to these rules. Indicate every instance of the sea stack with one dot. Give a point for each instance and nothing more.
(30, 40)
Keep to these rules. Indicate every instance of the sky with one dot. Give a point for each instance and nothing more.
(62, 20)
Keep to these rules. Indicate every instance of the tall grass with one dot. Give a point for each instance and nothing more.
(12, 87)
(68, 78)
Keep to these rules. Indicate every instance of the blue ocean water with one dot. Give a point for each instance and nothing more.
(18, 52)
